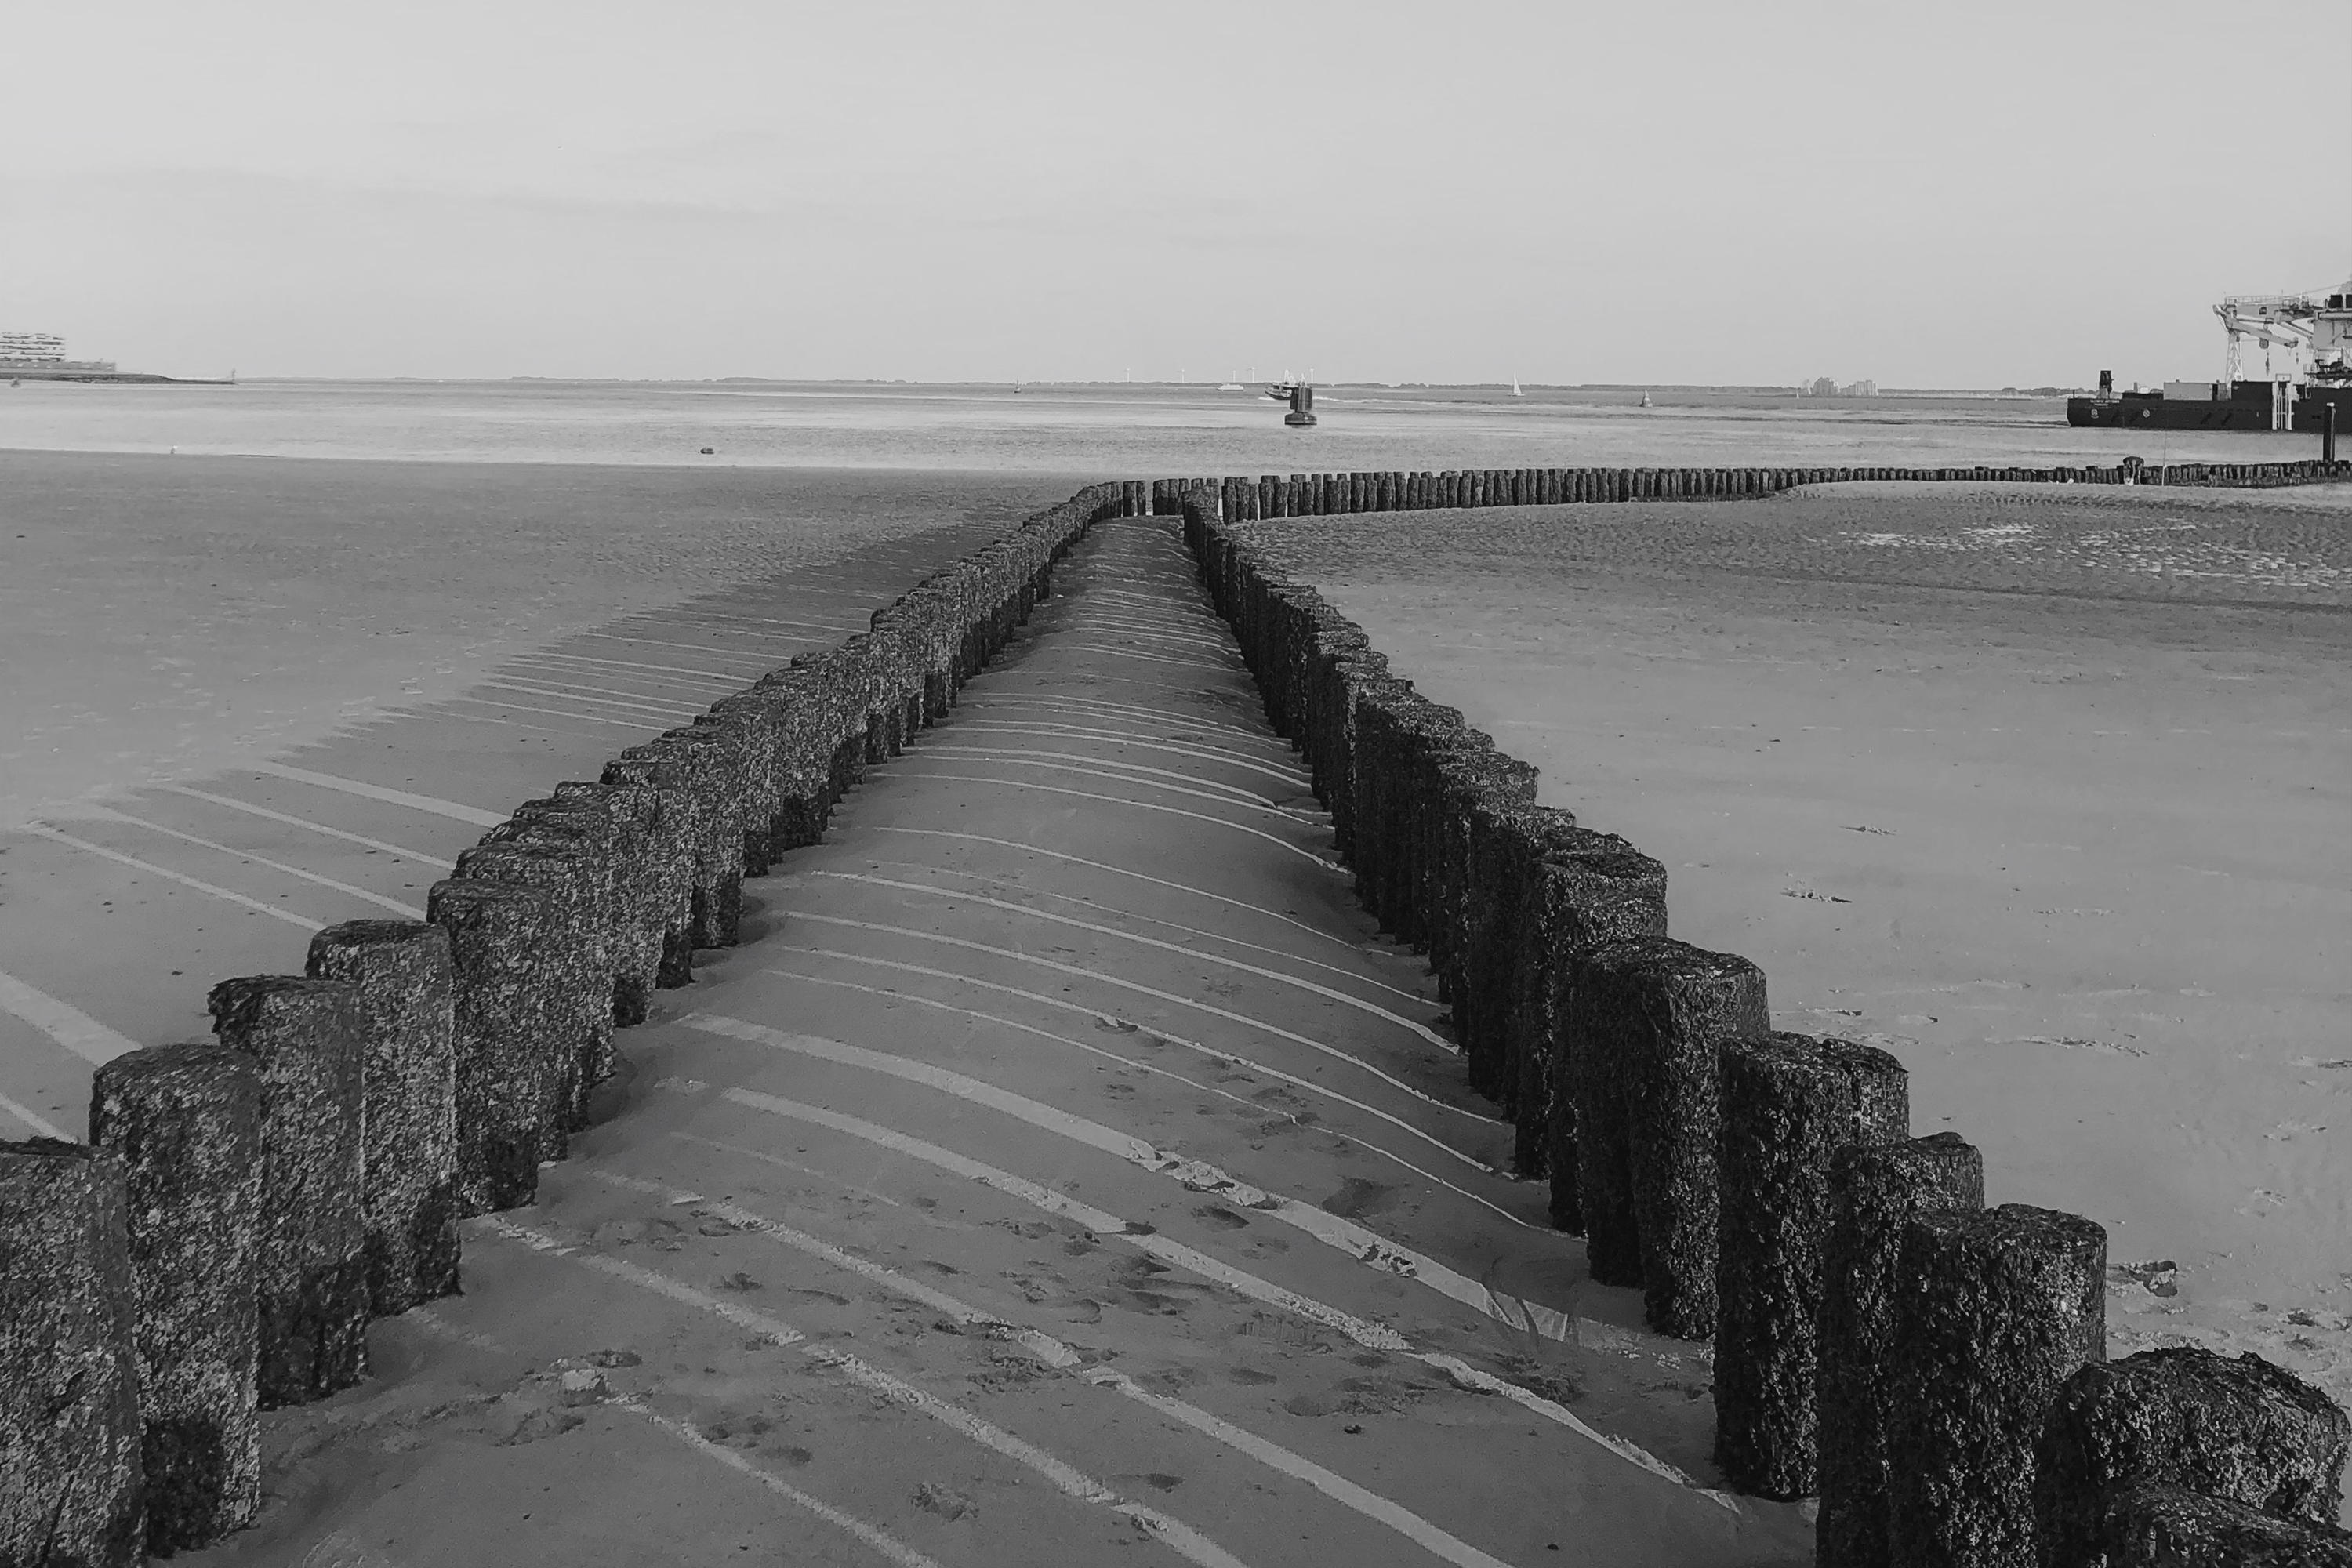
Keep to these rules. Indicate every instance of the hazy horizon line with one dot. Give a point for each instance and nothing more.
(1790, 388)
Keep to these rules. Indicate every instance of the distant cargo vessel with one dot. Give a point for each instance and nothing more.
(2315, 332)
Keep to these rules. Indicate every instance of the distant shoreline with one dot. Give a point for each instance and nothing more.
(1780, 392)
(1791, 392)
(111, 377)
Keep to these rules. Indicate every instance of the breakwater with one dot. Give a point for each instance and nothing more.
(1933, 1371)
(279, 1187)
(246, 1206)
(1242, 499)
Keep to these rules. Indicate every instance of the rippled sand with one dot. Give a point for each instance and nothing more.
(2049, 791)
(162, 617)
(2270, 547)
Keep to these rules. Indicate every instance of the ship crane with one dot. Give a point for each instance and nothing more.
(2273, 320)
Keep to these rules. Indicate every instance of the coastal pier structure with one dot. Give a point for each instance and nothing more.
(948, 1099)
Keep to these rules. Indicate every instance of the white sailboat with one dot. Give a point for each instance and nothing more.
(1514, 389)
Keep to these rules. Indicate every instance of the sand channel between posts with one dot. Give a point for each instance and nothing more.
(1060, 1167)
(2048, 792)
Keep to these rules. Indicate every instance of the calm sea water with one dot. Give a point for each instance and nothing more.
(1112, 430)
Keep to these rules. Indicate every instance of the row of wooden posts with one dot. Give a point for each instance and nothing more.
(247, 1205)
(1933, 1371)
(1322, 494)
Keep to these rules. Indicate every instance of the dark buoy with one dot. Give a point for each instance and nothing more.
(1301, 398)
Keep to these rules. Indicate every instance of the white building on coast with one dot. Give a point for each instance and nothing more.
(41, 350)
(31, 348)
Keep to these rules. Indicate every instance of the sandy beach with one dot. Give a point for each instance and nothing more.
(160, 616)
(1063, 1102)
(2045, 792)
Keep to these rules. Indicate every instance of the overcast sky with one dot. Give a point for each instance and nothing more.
(1966, 192)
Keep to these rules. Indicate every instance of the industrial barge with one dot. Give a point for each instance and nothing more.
(2306, 343)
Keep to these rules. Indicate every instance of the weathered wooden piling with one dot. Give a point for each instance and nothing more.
(185, 1121)
(2167, 1526)
(1790, 1102)
(1651, 1015)
(1485, 981)
(2186, 1417)
(304, 1036)
(570, 1019)
(507, 1070)
(752, 724)
(1464, 777)
(1875, 1190)
(686, 767)
(1993, 1312)
(710, 758)
(404, 990)
(679, 830)
(1584, 891)
(647, 892)
(71, 1488)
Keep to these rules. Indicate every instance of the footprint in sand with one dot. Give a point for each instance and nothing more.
(341, 1551)
(1358, 1198)
(816, 1295)
(1559, 1385)
(1377, 1395)
(539, 1425)
(2158, 1277)
(945, 1501)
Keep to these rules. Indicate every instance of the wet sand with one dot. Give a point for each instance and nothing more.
(162, 617)
(2051, 795)
(463, 637)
